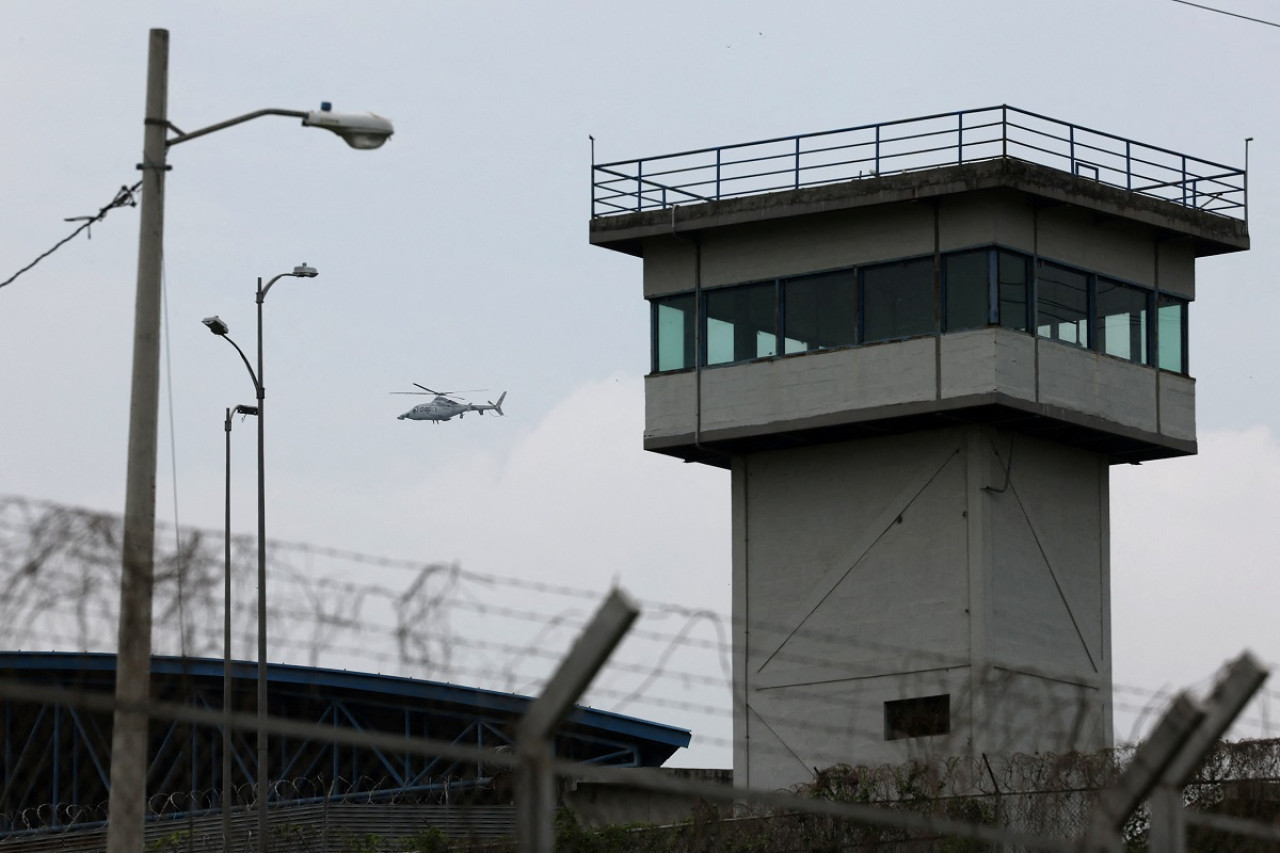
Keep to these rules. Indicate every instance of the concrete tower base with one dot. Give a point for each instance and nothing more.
(943, 592)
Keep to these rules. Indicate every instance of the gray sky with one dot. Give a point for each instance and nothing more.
(457, 257)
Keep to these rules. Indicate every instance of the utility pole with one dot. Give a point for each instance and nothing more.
(133, 662)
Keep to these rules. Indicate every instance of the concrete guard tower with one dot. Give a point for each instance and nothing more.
(919, 347)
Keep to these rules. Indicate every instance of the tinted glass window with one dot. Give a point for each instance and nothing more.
(897, 300)
(741, 323)
(1062, 304)
(673, 332)
(1014, 285)
(967, 280)
(1171, 333)
(819, 311)
(1121, 327)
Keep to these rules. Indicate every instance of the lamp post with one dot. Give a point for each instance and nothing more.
(219, 328)
(226, 639)
(133, 658)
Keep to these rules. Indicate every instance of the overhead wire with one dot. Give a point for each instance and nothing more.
(1225, 12)
(402, 629)
(124, 197)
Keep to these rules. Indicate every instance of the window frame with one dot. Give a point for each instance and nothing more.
(997, 257)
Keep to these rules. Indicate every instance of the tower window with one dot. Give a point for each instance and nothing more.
(1014, 288)
(925, 716)
(742, 323)
(967, 279)
(898, 300)
(925, 295)
(819, 311)
(1171, 333)
(1121, 326)
(673, 332)
(1062, 304)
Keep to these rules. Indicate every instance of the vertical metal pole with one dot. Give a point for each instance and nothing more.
(226, 657)
(125, 810)
(535, 778)
(1004, 131)
(1245, 181)
(1235, 687)
(262, 593)
(1140, 778)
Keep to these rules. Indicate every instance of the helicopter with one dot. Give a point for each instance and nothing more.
(445, 405)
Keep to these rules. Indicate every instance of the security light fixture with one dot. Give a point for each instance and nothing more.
(359, 130)
(216, 325)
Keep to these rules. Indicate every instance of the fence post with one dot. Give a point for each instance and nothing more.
(1141, 776)
(1165, 761)
(1234, 689)
(535, 778)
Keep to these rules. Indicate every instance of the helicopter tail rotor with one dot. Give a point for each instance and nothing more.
(497, 407)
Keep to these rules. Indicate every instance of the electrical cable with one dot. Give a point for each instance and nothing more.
(123, 198)
(173, 461)
(1225, 12)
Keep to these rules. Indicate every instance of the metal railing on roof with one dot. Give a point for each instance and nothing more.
(928, 142)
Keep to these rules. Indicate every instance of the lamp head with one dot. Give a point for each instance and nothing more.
(216, 325)
(360, 130)
(304, 271)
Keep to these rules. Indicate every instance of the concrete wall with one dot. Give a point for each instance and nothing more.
(774, 396)
(1112, 246)
(969, 561)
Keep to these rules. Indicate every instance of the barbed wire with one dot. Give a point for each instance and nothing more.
(124, 197)
(59, 569)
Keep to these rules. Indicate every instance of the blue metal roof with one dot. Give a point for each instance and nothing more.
(56, 757)
(657, 739)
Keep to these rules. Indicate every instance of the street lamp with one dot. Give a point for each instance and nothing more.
(226, 631)
(133, 658)
(219, 328)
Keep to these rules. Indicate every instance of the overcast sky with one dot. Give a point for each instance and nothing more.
(457, 257)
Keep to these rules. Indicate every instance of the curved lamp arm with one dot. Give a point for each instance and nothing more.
(219, 328)
(359, 130)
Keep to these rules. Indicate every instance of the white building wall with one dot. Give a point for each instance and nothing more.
(856, 582)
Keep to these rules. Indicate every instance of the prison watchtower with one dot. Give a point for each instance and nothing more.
(919, 346)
